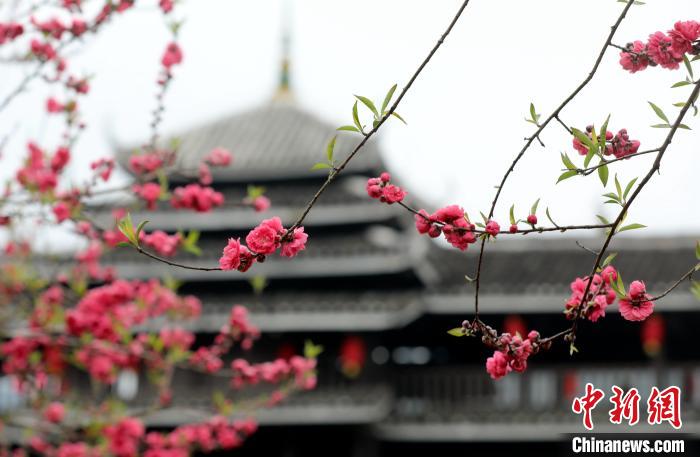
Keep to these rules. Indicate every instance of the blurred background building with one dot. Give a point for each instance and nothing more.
(380, 299)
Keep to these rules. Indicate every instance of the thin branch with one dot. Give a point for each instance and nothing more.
(688, 275)
(654, 168)
(335, 172)
(174, 264)
(546, 122)
(519, 231)
(588, 171)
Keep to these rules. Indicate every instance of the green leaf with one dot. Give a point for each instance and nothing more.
(255, 191)
(369, 104)
(603, 133)
(572, 349)
(683, 126)
(320, 166)
(356, 117)
(659, 112)
(348, 128)
(126, 226)
(533, 114)
(566, 175)
(602, 219)
(140, 228)
(629, 187)
(608, 259)
(567, 162)
(603, 174)
(591, 153)
(582, 137)
(631, 227)
(697, 250)
(396, 115)
(330, 148)
(387, 99)
(533, 209)
(550, 217)
(661, 126)
(688, 66)
(512, 214)
(457, 331)
(258, 283)
(681, 84)
(618, 187)
(311, 350)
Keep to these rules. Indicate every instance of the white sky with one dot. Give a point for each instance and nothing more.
(465, 113)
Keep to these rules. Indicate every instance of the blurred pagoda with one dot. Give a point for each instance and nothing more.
(380, 299)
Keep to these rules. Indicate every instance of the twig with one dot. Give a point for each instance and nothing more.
(588, 171)
(335, 172)
(546, 122)
(688, 275)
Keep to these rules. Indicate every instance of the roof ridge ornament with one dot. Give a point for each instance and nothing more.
(284, 92)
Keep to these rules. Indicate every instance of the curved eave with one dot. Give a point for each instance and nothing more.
(318, 407)
(241, 219)
(553, 429)
(532, 303)
(356, 265)
(330, 320)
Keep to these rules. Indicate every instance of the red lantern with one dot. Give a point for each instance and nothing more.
(352, 356)
(653, 335)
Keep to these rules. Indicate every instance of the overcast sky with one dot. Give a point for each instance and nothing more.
(465, 113)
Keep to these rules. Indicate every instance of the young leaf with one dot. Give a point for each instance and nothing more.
(603, 174)
(387, 99)
(618, 187)
(567, 162)
(603, 133)
(589, 156)
(697, 250)
(512, 214)
(631, 227)
(330, 148)
(396, 115)
(688, 66)
(681, 84)
(356, 117)
(602, 219)
(320, 166)
(550, 217)
(348, 128)
(583, 138)
(628, 188)
(139, 229)
(608, 259)
(369, 104)
(566, 175)
(457, 331)
(311, 350)
(533, 209)
(659, 112)
(661, 126)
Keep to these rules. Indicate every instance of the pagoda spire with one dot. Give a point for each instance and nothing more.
(284, 88)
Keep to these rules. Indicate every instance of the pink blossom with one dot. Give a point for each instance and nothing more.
(231, 258)
(636, 59)
(492, 228)
(163, 243)
(660, 50)
(205, 176)
(54, 412)
(261, 203)
(197, 198)
(219, 157)
(423, 223)
(265, 238)
(54, 106)
(497, 365)
(172, 55)
(145, 163)
(393, 194)
(124, 437)
(166, 5)
(532, 219)
(149, 192)
(297, 244)
(683, 35)
(62, 211)
(60, 159)
(636, 306)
